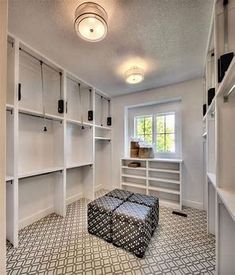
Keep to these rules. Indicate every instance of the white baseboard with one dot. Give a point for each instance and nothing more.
(35, 217)
(73, 198)
(45, 212)
(98, 187)
(193, 204)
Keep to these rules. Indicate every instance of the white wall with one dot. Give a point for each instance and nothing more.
(3, 80)
(191, 94)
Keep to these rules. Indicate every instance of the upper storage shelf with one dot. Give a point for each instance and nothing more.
(40, 83)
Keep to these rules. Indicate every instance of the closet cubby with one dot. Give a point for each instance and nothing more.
(102, 133)
(52, 158)
(79, 100)
(10, 72)
(38, 197)
(79, 145)
(103, 165)
(102, 110)
(9, 144)
(39, 150)
(41, 83)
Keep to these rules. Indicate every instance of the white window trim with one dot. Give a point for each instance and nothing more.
(154, 133)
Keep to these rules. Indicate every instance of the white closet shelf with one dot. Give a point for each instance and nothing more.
(227, 196)
(39, 172)
(212, 178)
(78, 122)
(133, 176)
(103, 127)
(164, 190)
(134, 185)
(102, 138)
(39, 114)
(209, 110)
(79, 164)
(154, 159)
(227, 80)
(134, 168)
(9, 107)
(164, 180)
(164, 170)
(9, 178)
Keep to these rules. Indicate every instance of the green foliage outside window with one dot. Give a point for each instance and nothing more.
(164, 136)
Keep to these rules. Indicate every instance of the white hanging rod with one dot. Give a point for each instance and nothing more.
(40, 116)
(229, 93)
(39, 60)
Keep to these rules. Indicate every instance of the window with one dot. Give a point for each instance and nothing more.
(158, 129)
(165, 133)
(143, 126)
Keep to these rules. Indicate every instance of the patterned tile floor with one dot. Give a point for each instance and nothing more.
(54, 245)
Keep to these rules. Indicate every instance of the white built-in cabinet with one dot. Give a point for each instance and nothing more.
(157, 177)
(219, 132)
(46, 170)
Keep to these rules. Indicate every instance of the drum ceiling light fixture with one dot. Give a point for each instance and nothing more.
(91, 22)
(134, 75)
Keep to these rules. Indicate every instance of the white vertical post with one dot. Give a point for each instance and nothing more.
(60, 185)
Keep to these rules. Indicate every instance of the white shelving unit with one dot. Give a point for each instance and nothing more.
(46, 170)
(220, 157)
(158, 177)
(103, 148)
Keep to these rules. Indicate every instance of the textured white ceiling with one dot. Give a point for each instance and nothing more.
(168, 38)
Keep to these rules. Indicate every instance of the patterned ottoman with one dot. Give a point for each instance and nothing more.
(151, 202)
(99, 216)
(132, 227)
(120, 194)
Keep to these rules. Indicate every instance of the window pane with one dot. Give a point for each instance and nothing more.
(170, 143)
(160, 124)
(148, 138)
(139, 126)
(170, 123)
(160, 143)
(148, 125)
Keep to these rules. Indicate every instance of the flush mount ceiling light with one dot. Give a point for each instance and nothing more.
(134, 75)
(91, 22)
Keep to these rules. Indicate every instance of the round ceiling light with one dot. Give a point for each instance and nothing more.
(134, 75)
(91, 22)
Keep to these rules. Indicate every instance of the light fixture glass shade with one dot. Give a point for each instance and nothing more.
(91, 22)
(134, 75)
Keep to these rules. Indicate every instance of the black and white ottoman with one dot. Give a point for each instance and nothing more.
(99, 216)
(151, 202)
(132, 227)
(120, 194)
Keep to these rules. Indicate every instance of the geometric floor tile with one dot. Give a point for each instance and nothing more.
(56, 245)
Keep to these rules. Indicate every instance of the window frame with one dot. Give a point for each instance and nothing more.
(154, 132)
